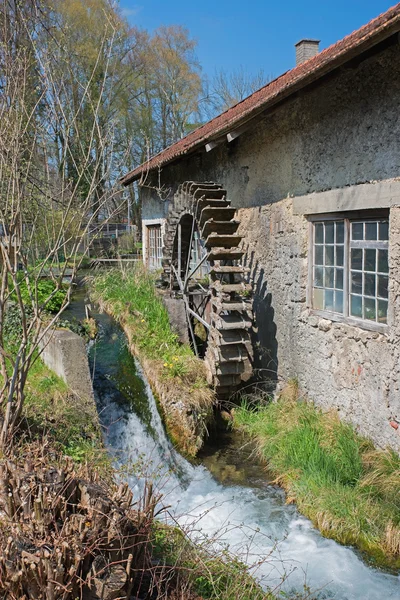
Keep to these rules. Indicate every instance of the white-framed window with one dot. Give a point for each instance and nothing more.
(155, 246)
(350, 271)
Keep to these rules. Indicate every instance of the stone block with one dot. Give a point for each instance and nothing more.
(64, 352)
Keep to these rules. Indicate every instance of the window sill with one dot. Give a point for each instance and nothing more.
(351, 321)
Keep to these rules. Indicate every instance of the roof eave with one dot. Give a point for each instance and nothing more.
(381, 34)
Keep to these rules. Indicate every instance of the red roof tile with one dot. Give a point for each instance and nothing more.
(349, 47)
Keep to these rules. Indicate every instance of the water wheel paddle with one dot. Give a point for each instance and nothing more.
(202, 267)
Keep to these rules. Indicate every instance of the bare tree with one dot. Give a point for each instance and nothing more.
(44, 216)
(225, 89)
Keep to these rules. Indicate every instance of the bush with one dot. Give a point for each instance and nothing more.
(126, 242)
(44, 290)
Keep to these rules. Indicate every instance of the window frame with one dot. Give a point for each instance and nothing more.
(154, 234)
(345, 318)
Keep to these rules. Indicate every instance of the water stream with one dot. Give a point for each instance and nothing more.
(235, 505)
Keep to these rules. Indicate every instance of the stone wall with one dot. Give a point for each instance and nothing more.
(337, 365)
(341, 133)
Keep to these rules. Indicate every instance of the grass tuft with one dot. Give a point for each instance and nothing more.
(348, 488)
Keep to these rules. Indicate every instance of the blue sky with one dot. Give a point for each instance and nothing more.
(257, 34)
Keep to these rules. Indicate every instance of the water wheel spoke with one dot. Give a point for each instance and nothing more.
(203, 251)
(190, 253)
(195, 269)
(199, 318)
(190, 325)
(179, 280)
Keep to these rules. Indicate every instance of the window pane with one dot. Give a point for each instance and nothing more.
(371, 231)
(318, 277)
(357, 231)
(319, 233)
(318, 300)
(356, 283)
(339, 279)
(329, 233)
(339, 232)
(384, 230)
(356, 306)
(356, 259)
(369, 309)
(329, 277)
(339, 302)
(329, 252)
(339, 256)
(369, 284)
(365, 270)
(319, 255)
(370, 260)
(383, 266)
(329, 255)
(329, 300)
(382, 311)
(383, 281)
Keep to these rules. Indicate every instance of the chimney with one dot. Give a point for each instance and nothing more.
(306, 49)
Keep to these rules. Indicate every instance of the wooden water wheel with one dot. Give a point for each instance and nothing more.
(202, 267)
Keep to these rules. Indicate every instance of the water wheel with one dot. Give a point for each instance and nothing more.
(202, 267)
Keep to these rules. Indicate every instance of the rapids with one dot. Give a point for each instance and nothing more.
(281, 546)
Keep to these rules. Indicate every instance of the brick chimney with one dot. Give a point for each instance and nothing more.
(306, 49)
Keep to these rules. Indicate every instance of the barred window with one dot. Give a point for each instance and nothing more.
(350, 269)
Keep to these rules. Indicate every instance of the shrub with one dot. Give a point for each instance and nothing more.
(47, 297)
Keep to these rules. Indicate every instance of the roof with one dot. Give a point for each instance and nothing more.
(287, 84)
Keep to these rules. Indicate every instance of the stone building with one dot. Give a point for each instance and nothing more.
(311, 162)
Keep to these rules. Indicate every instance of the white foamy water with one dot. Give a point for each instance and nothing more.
(254, 522)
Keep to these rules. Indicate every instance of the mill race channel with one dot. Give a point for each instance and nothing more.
(236, 505)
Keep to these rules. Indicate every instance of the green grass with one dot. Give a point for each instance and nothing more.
(349, 489)
(69, 423)
(133, 295)
(176, 375)
(210, 574)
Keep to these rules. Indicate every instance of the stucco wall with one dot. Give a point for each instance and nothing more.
(344, 132)
(154, 212)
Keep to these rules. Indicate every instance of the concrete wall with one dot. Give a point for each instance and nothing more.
(64, 352)
(345, 132)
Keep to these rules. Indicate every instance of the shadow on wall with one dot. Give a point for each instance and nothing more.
(263, 337)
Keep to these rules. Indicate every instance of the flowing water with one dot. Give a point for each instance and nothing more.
(235, 505)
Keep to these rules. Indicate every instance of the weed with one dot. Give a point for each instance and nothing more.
(44, 293)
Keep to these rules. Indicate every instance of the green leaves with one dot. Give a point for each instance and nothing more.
(48, 296)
